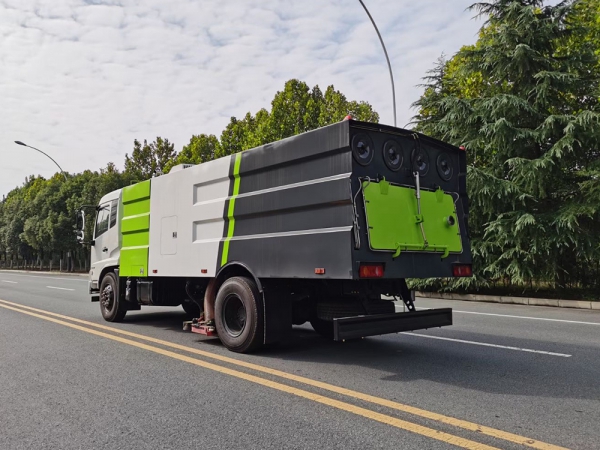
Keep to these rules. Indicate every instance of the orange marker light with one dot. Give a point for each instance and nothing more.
(320, 271)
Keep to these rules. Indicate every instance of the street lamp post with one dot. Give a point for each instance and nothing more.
(63, 174)
(386, 57)
(45, 154)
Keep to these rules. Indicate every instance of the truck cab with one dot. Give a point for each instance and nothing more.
(105, 248)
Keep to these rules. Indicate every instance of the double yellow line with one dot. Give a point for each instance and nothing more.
(458, 441)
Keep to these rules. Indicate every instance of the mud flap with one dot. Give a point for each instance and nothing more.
(277, 313)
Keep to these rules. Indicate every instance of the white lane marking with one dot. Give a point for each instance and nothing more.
(47, 278)
(62, 289)
(485, 344)
(521, 317)
(12, 282)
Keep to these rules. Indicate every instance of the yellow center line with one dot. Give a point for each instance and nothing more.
(357, 410)
(470, 426)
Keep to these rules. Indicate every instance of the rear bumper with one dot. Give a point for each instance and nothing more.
(362, 326)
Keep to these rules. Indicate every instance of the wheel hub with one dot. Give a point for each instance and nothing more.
(106, 297)
(234, 316)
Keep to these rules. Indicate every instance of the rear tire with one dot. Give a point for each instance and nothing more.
(239, 315)
(111, 306)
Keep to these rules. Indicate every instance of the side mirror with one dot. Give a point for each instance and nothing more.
(80, 227)
(80, 224)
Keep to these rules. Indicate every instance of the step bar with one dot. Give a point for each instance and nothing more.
(362, 326)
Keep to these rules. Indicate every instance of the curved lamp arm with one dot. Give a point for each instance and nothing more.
(386, 57)
(45, 154)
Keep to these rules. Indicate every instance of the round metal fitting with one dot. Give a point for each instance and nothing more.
(420, 161)
(362, 149)
(393, 155)
(445, 167)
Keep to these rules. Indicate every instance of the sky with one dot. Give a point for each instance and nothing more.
(81, 79)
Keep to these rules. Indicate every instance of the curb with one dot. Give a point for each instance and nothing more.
(577, 304)
(68, 274)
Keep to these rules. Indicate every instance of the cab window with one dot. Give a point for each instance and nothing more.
(102, 219)
(114, 207)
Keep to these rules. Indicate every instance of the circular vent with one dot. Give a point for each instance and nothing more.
(445, 167)
(362, 149)
(420, 161)
(393, 155)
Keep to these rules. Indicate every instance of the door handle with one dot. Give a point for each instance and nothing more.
(105, 249)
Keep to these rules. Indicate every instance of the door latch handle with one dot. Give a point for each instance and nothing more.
(105, 249)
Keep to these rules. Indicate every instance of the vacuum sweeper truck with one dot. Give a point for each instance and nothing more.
(323, 227)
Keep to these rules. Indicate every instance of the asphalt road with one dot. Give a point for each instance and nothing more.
(503, 376)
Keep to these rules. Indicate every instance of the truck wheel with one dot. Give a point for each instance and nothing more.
(192, 309)
(113, 310)
(239, 315)
(323, 327)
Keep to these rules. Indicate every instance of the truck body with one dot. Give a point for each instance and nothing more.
(319, 227)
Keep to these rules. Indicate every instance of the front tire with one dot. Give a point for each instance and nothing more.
(111, 306)
(239, 315)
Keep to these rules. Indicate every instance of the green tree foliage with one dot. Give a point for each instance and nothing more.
(149, 160)
(524, 102)
(201, 148)
(37, 219)
(294, 110)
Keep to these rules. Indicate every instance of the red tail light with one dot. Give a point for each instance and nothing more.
(371, 271)
(462, 270)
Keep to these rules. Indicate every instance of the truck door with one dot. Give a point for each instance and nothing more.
(105, 251)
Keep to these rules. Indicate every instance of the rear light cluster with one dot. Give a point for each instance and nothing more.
(462, 270)
(371, 271)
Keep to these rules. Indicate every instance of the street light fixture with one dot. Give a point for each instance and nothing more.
(45, 154)
(386, 57)
(64, 175)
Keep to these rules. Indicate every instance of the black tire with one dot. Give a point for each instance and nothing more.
(111, 306)
(323, 327)
(239, 315)
(192, 309)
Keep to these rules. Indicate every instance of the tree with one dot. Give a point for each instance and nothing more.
(524, 103)
(294, 110)
(149, 160)
(201, 148)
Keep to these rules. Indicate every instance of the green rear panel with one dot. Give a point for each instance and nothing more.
(135, 227)
(394, 223)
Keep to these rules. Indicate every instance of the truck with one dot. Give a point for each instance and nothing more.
(323, 227)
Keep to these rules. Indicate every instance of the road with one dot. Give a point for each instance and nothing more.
(503, 376)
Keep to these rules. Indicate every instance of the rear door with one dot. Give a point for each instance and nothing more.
(396, 222)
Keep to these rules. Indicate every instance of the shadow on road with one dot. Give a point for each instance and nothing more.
(404, 359)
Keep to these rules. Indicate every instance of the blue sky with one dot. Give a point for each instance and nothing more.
(82, 79)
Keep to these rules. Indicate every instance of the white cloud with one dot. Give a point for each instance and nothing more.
(82, 79)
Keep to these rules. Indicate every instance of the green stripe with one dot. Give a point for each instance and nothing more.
(135, 226)
(230, 211)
